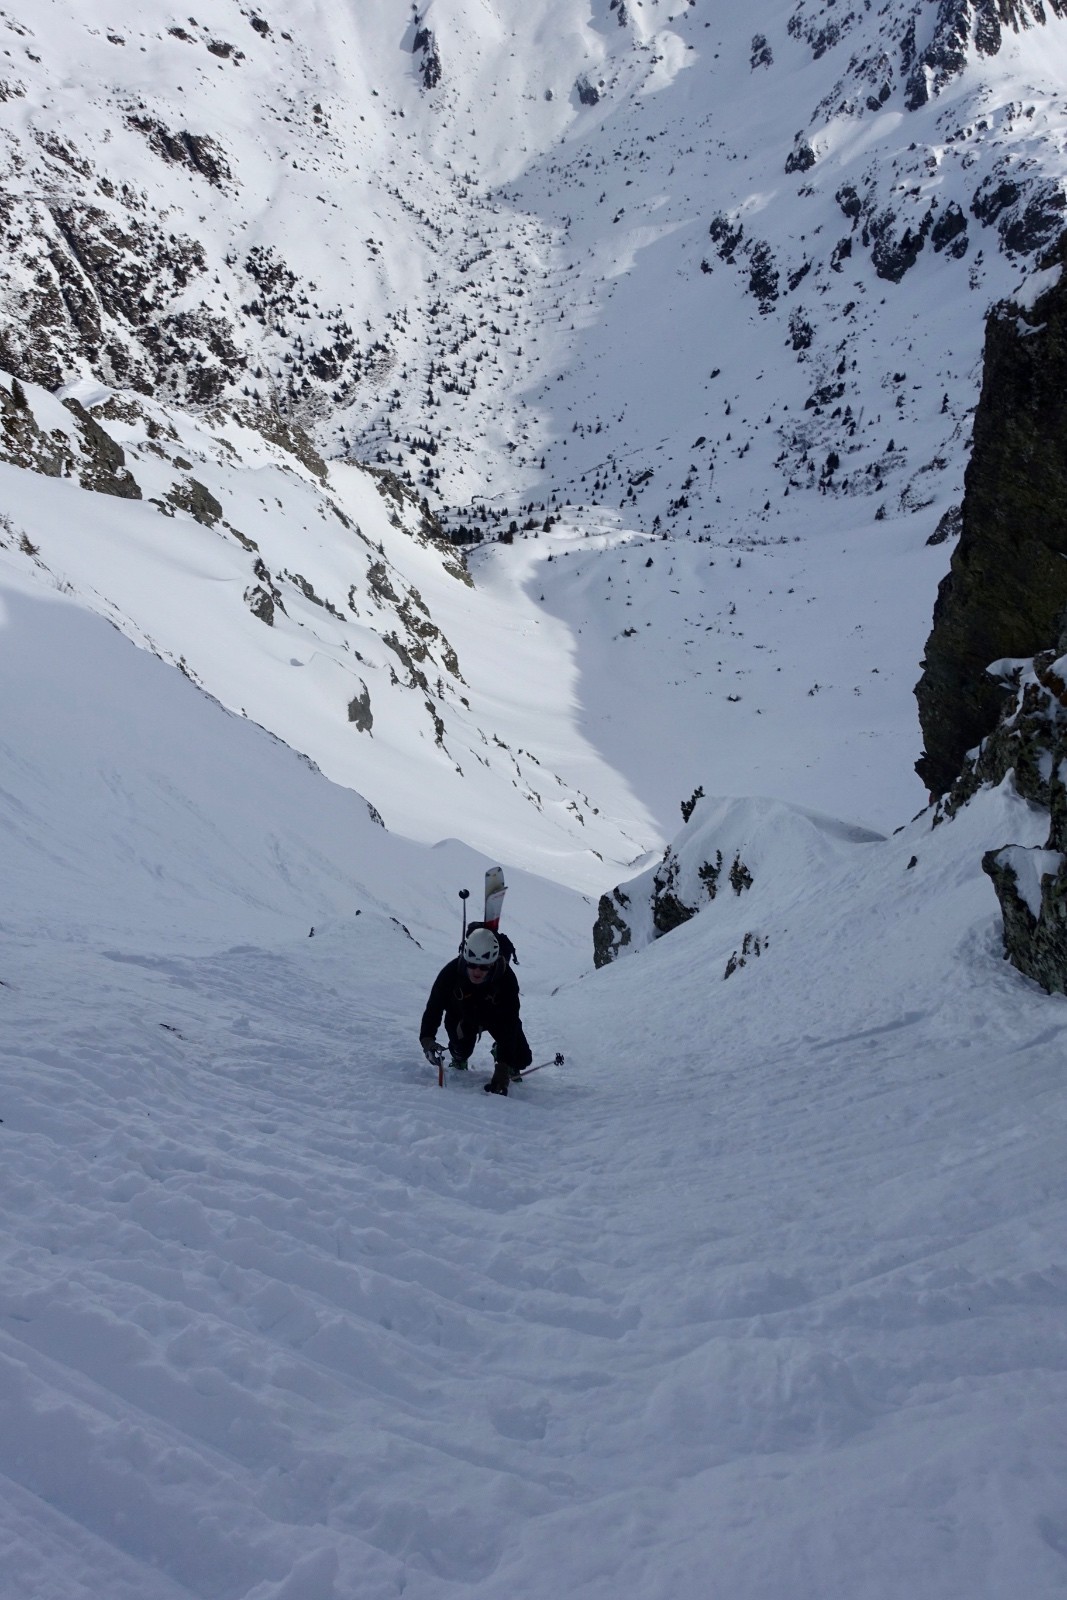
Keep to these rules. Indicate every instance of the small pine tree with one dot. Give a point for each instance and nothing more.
(689, 806)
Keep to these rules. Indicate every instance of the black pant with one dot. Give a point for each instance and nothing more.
(512, 1049)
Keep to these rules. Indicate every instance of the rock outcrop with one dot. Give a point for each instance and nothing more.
(957, 22)
(1006, 591)
(693, 871)
(75, 447)
(611, 931)
(1031, 886)
(721, 865)
(1030, 743)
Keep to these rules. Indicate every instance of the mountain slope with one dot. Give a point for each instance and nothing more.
(508, 200)
(762, 1290)
(669, 277)
(305, 600)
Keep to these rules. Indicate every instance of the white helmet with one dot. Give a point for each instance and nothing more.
(481, 948)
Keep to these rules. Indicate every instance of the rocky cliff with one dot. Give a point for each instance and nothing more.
(1006, 591)
(993, 694)
(1029, 745)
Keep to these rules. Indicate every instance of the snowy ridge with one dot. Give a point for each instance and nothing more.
(305, 599)
(730, 851)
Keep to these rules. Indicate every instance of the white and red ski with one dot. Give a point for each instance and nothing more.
(495, 890)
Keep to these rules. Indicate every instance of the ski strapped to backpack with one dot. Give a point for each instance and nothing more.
(495, 890)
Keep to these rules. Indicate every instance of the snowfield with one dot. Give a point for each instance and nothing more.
(762, 1293)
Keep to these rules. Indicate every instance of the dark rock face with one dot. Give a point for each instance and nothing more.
(925, 68)
(1036, 220)
(264, 598)
(727, 235)
(287, 435)
(658, 901)
(1006, 590)
(669, 910)
(895, 253)
(993, 16)
(943, 58)
(801, 158)
(91, 289)
(22, 441)
(185, 149)
(261, 604)
(801, 332)
(1035, 944)
(949, 231)
(849, 201)
(611, 932)
(761, 54)
(763, 278)
(92, 456)
(946, 54)
(104, 281)
(196, 499)
(948, 526)
(896, 238)
(1030, 742)
(103, 465)
(1027, 213)
(359, 711)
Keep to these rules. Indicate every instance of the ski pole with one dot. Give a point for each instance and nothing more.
(557, 1061)
(464, 895)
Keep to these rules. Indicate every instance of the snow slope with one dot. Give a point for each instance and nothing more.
(358, 668)
(761, 1294)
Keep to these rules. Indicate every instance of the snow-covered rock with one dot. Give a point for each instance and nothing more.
(732, 859)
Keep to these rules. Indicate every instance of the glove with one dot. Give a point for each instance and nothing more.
(434, 1052)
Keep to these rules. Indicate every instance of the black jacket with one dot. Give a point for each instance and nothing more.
(469, 1009)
